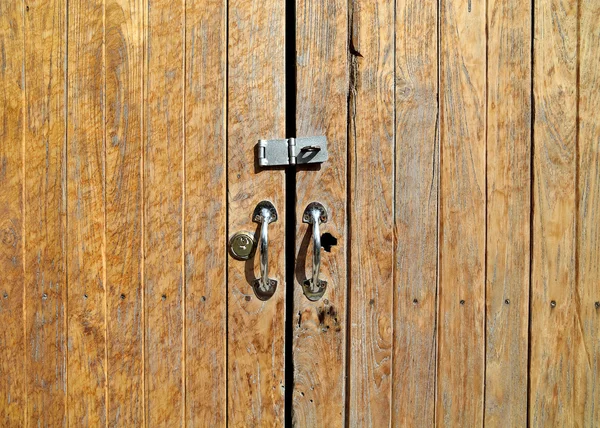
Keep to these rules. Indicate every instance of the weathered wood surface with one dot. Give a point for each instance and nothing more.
(415, 213)
(508, 211)
(45, 212)
(85, 249)
(123, 206)
(205, 213)
(12, 338)
(371, 205)
(256, 109)
(319, 395)
(127, 158)
(556, 341)
(461, 319)
(163, 183)
(587, 295)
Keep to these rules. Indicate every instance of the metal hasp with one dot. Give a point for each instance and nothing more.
(292, 151)
(264, 213)
(315, 214)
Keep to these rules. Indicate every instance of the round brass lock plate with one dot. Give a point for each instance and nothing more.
(241, 245)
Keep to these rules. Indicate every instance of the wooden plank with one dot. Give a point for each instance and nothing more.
(371, 205)
(12, 340)
(124, 317)
(587, 297)
(556, 343)
(205, 213)
(85, 216)
(459, 399)
(508, 211)
(45, 212)
(319, 346)
(163, 212)
(256, 109)
(416, 213)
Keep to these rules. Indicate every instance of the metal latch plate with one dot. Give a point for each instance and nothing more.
(292, 151)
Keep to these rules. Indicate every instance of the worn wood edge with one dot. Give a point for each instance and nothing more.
(371, 204)
(587, 295)
(163, 213)
(44, 249)
(86, 304)
(256, 104)
(461, 359)
(417, 171)
(320, 391)
(205, 252)
(508, 212)
(13, 399)
(124, 206)
(554, 341)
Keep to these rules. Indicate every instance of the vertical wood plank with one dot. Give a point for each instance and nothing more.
(462, 213)
(256, 109)
(508, 211)
(12, 340)
(123, 39)
(587, 299)
(205, 213)
(416, 213)
(45, 212)
(86, 326)
(163, 218)
(371, 205)
(321, 109)
(556, 342)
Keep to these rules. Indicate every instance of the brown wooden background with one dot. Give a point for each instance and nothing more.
(463, 187)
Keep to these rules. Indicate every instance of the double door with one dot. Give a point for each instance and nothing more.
(460, 258)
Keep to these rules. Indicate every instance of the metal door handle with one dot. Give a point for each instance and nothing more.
(315, 214)
(264, 213)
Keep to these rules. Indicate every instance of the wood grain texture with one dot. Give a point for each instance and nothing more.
(128, 157)
(321, 109)
(461, 319)
(86, 304)
(416, 213)
(12, 340)
(508, 211)
(124, 317)
(163, 212)
(556, 342)
(587, 297)
(205, 213)
(256, 109)
(45, 212)
(371, 205)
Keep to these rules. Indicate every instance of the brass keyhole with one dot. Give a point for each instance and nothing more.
(242, 245)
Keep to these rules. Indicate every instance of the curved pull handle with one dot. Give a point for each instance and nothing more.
(264, 213)
(315, 214)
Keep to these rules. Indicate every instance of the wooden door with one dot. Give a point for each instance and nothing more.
(463, 175)
(462, 193)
